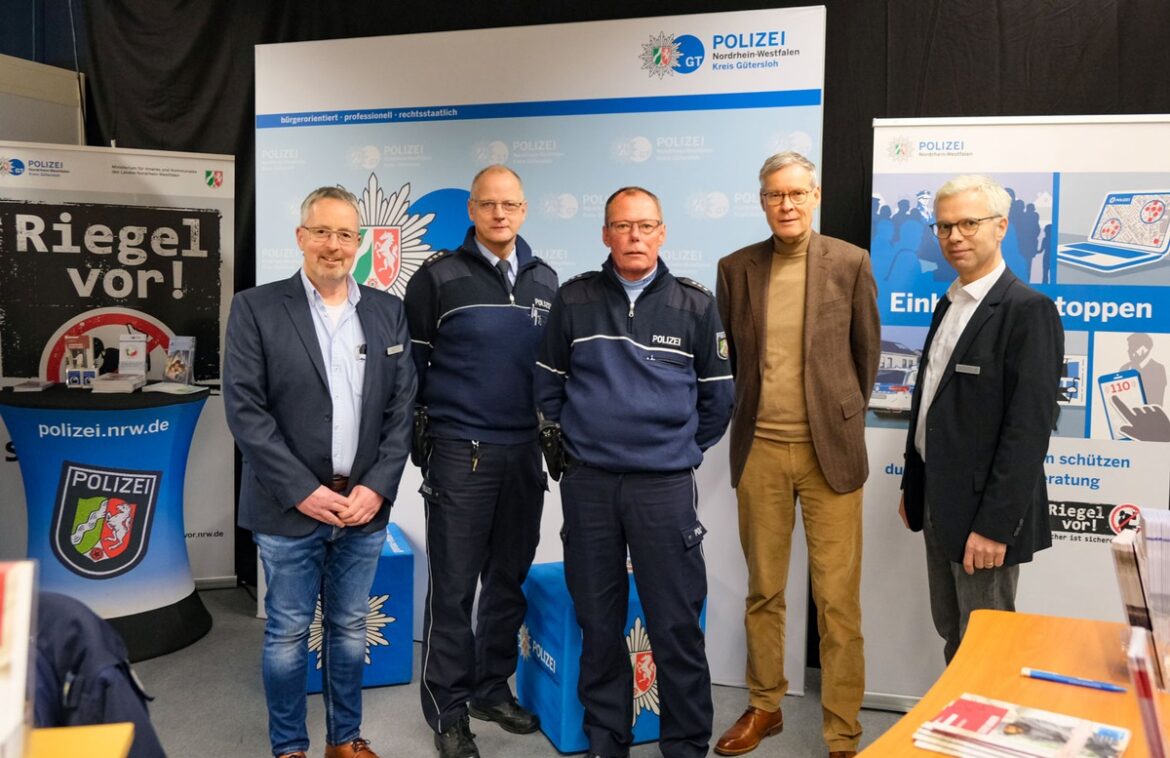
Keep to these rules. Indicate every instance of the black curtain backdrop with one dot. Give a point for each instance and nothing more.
(178, 74)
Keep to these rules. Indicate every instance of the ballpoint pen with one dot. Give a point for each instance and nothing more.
(1048, 676)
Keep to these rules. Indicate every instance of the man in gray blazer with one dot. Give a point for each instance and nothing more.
(984, 408)
(318, 388)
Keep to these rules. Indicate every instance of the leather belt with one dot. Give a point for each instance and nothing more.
(338, 483)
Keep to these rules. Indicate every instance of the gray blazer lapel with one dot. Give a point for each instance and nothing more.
(376, 344)
(297, 306)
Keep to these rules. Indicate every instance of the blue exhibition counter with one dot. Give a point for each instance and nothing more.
(103, 481)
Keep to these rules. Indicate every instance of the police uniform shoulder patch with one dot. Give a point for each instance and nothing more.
(582, 277)
(692, 283)
(436, 256)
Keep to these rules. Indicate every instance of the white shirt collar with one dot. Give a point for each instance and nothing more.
(978, 289)
(352, 292)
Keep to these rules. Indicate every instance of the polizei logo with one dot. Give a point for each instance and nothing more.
(645, 670)
(102, 518)
(666, 55)
(666, 339)
(530, 648)
(391, 247)
(11, 166)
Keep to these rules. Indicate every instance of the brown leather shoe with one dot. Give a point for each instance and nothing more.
(842, 753)
(745, 734)
(357, 748)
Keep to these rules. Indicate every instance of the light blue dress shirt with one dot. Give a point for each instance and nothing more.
(494, 259)
(343, 349)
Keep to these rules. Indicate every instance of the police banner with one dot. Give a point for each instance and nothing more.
(686, 106)
(101, 242)
(1090, 227)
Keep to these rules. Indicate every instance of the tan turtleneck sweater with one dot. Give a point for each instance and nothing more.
(783, 415)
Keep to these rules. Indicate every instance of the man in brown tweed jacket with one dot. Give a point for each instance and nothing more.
(801, 315)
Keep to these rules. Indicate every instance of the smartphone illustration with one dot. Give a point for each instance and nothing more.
(1126, 386)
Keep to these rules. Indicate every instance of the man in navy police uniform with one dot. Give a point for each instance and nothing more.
(634, 368)
(476, 318)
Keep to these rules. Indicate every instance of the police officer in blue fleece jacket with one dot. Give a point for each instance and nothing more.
(634, 369)
(476, 317)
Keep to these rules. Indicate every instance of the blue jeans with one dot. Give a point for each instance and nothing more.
(339, 565)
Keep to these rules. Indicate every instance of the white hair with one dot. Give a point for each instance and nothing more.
(999, 202)
(787, 158)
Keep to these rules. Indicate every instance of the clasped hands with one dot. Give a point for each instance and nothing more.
(336, 509)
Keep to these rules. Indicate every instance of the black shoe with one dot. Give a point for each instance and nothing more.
(510, 715)
(457, 741)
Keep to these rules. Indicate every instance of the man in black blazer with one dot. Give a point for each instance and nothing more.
(318, 389)
(984, 406)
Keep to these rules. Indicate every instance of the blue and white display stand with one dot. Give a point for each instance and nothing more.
(550, 661)
(103, 482)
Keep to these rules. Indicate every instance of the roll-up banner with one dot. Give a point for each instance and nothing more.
(101, 242)
(1090, 227)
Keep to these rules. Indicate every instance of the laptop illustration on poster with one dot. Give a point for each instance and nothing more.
(1132, 229)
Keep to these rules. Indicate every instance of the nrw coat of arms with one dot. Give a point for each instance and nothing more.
(102, 518)
(391, 247)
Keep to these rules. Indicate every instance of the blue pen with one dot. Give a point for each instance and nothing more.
(1092, 684)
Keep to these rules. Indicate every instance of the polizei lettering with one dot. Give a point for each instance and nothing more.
(666, 339)
(114, 484)
(748, 39)
(544, 656)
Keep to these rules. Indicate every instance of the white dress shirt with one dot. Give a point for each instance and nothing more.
(965, 298)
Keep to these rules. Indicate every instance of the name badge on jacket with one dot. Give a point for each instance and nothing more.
(962, 368)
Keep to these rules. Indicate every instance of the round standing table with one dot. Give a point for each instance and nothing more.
(103, 481)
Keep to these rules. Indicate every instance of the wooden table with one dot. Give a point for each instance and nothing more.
(100, 741)
(998, 644)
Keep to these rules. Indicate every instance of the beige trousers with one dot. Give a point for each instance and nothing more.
(775, 476)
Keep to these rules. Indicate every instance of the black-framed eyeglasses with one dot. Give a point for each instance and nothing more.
(508, 206)
(967, 226)
(796, 197)
(346, 237)
(645, 226)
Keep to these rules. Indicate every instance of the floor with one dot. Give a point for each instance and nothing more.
(209, 701)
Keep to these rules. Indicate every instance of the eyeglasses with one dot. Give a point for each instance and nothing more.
(508, 206)
(646, 226)
(796, 197)
(345, 237)
(967, 227)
